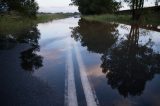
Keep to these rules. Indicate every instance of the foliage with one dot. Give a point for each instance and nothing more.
(88, 7)
(146, 18)
(25, 7)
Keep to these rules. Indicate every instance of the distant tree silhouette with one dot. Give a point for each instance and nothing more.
(156, 2)
(136, 7)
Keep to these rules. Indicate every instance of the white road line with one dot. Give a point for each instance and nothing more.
(70, 88)
(90, 96)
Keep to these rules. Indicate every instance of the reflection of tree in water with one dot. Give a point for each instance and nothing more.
(128, 65)
(30, 35)
(7, 42)
(30, 60)
(96, 36)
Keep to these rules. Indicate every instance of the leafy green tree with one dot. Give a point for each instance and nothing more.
(87, 7)
(25, 7)
(30, 8)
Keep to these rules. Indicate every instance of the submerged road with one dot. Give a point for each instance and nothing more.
(89, 92)
(70, 87)
(66, 64)
(70, 95)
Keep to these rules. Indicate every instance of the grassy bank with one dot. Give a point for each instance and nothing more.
(108, 18)
(14, 23)
(41, 18)
(126, 19)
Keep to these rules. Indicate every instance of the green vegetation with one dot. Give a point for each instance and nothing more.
(14, 23)
(108, 18)
(100, 7)
(41, 18)
(90, 7)
(151, 18)
(28, 8)
(145, 18)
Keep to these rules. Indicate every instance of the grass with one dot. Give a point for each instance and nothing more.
(41, 18)
(14, 23)
(108, 18)
(153, 18)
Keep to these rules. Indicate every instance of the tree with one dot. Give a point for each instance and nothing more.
(25, 7)
(136, 6)
(30, 8)
(156, 2)
(87, 7)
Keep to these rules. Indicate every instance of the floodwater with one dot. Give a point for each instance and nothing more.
(73, 62)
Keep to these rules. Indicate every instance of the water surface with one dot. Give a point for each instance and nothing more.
(122, 64)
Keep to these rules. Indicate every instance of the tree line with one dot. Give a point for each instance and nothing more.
(91, 7)
(25, 7)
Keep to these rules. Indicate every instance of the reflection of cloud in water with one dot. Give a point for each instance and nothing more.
(57, 28)
(95, 71)
(51, 55)
(52, 40)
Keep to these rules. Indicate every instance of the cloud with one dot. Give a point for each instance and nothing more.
(53, 2)
(55, 9)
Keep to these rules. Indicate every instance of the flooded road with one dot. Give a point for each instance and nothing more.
(73, 62)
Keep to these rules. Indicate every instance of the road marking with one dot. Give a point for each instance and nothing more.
(90, 95)
(70, 88)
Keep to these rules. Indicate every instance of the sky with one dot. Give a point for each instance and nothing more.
(147, 3)
(54, 6)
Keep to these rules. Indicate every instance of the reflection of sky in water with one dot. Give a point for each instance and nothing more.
(53, 47)
(145, 36)
(57, 28)
(55, 41)
(53, 44)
